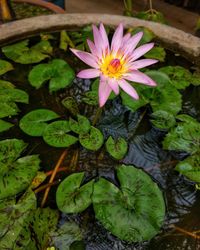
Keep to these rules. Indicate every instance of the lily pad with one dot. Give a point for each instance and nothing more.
(34, 123)
(184, 137)
(15, 174)
(56, 135)
(117, 148)
(156, 53)
(190, 167)
(147, 37)
(71, 197)
(6, 85)
(57, 71)
(92, 140)
(4, 126)
(163, 119)
(21, 53)
(133, 213)
(82, 126)
(5, 66)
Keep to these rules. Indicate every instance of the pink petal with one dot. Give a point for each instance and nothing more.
(137, 76)
(140, 51)
(86, 57)
(88, 73)
(128, 88)
(114, 85)
(117, 39)
(126, 38)
(104, 92)
(132, 43)
(104, 36)
(92, 47)
(141, 63)
(98, 40)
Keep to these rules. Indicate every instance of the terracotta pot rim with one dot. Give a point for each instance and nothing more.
(50, 6)
(179, 41)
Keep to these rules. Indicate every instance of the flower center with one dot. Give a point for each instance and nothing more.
(114, 66)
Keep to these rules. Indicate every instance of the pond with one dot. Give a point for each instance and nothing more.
(147, 130)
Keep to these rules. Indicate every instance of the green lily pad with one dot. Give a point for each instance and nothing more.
(57, 71)
(71, 197)
(163, 119)
(190, 167)
(92, 140)
(68, 233)
(184, 137)
(156, 53)
(117, 148)
(180, 77)
(4, 126)
(56, 135)
(133, 213)
(147, 37)
(34, 123)
(5, 66)
(21, 53)
(17, 216)
(8, 109)
(82, 126)
(15, 174)
(71, 104)
(6, 85)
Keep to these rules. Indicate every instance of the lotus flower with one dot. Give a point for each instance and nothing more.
(117, 63)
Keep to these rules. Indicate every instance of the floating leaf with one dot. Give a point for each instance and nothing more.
(71, 104)
(180, 77)
(4, 126)
(70, 197)
(5, 66)
(92, 140)
(80, 127)
(34, 123)
(56, 135)
(8, 109)
(136, 211)
(17, 216)
(117, 148)
(156, 53)
(147, 37)
(6, 85)
(21, 53)
(68, 233)
(184, 137)
(15, 175)
(57, 71)
(190, 167)
(163, 119)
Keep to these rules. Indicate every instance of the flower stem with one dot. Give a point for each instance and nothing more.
(61, 169)
(191, 234)
(97, 116)
(59, 162)
(43, 187)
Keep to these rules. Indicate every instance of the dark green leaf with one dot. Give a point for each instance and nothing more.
(56, 135)
(163, 119)
(136, 211)
(80, 127)
(5, 66)
(13, 95)
(57, 71)
(71, 104)
(34, 123)
(93, 140)
(70, 197)
(117, 148)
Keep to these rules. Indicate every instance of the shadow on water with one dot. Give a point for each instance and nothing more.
(145, 151)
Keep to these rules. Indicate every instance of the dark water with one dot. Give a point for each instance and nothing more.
(145, 151)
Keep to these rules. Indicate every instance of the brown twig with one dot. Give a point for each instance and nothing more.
(59, 162)
(191, 234)
(43, 187)
(61, 169)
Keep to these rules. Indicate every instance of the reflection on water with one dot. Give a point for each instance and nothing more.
(145, 151)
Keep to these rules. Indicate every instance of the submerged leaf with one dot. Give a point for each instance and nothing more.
(71, 197)
(163, 119)
(136, 211)
(92, 140)
(34, 123)
(117, 148)
(57, 71)
(56, 135)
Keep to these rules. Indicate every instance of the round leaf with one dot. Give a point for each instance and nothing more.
(70, 197)
(93, 140)
(80, 127)
(117, 149)
(56, 135)
(135, 212)
(34, 124)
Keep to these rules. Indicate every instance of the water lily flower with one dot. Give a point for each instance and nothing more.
(117, 63)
